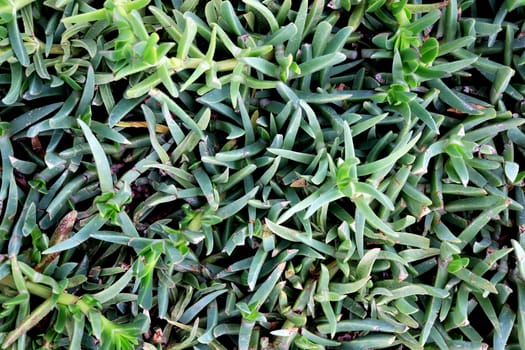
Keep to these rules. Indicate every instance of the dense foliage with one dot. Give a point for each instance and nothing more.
(262, 174)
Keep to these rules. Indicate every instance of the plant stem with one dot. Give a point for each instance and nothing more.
(29, 322)
(46, 293)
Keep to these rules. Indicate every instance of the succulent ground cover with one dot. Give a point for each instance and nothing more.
(262, 174)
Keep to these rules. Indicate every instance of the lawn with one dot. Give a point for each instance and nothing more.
(262, 174)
